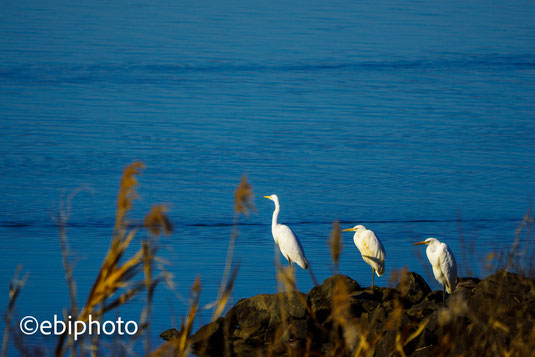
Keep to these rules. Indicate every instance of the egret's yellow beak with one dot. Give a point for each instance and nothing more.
(424, 242)
(348, 230)
(267, 197)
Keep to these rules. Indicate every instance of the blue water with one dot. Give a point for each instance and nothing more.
(402, 117)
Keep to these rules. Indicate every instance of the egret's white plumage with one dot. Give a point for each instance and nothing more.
(287, 241)
(370, 248)
(443, 263)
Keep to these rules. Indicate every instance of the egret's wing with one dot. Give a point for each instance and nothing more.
(290, 246)
(371, 247)
(448, 265)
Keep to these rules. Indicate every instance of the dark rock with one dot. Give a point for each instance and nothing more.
(424, 308)
(480, 318)
(428, 339)
(468, 281)
(434, 297)
(506, 301)
(376, 302)
(507, 285)
(365, 301)
(320, 297)
(414, 288)
(291, 336)
(465, 288)
(209, 339)
(389, 294)
(170, 334)
(267, 309)
(328, 285)
(254, 321)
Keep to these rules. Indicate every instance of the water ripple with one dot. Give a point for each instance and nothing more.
(158, 72)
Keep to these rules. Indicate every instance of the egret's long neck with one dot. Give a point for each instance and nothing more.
(275, 215)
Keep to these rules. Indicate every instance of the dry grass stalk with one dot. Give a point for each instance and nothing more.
(286, 280)
(243, 196)
(340, 312)
(335, 242)
(404, 332)
(149, 288)
(112, 275)
(61, 221)
(464, 267)
(402, 277)
(287, 288)
(127, 192)
(15, 287)
(222, 302)
(180, 346)
(156, 221)
(183, 346)
(520, 258)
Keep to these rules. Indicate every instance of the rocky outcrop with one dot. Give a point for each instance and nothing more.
(481, 317)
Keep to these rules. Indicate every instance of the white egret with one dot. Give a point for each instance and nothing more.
(443, 263)
(287, 241)
(370, 248)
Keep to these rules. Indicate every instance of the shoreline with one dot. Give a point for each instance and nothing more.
(340, 317)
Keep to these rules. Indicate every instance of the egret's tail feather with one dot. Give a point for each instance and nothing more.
(376, 263)
(449, 288)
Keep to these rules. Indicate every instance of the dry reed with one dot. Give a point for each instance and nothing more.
(115, 283)
(15, 287)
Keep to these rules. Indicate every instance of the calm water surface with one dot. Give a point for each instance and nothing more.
(400, 118)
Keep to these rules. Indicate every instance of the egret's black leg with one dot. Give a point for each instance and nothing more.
(443, 296)
(373, 277)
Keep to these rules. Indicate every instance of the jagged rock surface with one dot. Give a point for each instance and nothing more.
(323, 321)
